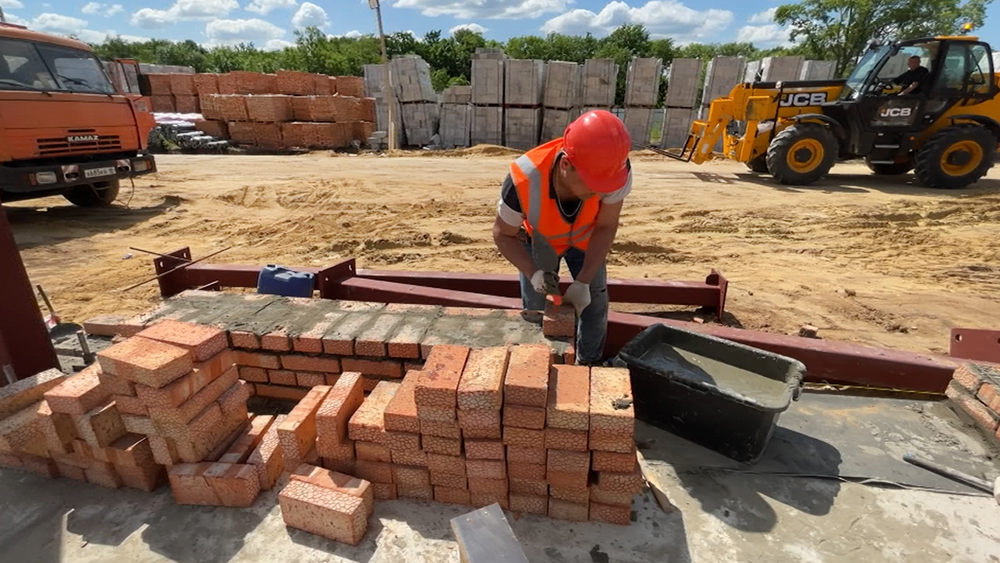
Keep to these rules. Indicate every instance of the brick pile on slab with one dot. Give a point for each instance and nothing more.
(973, 394)
(366, 428)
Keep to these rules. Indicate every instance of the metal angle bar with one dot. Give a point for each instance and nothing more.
(975, 344)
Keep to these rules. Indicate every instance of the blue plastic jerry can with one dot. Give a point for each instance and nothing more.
(279, 280)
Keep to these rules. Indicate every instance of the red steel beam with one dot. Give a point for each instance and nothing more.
(978, 344)
(25, 345)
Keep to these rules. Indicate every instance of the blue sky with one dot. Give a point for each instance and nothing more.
(271, 23)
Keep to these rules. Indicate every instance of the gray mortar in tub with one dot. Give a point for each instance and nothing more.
(692, 367)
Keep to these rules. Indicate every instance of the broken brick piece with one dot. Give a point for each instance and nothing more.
(569, 397)
(962, 398)
(57, 428)
(438, 382)
(481, 386)
(325, 512)
(527, 379)
(368, 422)
(145, 361)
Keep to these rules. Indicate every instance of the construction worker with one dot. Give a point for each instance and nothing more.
(561, 201)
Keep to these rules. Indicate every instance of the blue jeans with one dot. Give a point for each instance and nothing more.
(592, 324)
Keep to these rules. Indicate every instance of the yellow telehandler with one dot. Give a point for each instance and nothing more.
(946, 130)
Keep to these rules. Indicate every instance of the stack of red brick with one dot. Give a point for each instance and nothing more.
(283, 110)
(975, 391)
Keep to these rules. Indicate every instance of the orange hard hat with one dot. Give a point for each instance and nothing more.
(597, 145)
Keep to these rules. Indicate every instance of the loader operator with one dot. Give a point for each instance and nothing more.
(561, 201)
(913, 80)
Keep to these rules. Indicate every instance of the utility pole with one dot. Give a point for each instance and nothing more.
(387, 89)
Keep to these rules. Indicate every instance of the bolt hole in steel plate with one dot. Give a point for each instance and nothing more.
(976, 344)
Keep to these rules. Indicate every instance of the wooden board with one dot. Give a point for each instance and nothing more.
(485, 536)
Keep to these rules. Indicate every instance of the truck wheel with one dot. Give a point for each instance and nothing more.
(802, 153)
(759, 164)
(956, 156)
(894, 169)
(94, 195)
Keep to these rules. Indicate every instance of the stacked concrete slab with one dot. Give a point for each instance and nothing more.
(818, 70)
(600, 78)
(374, 88)
(780, 69)
(419, 112)
(642, 88)
(487, 96)
(560, 99)
(456, 116)
(721, 75)
(683, 78)
(524, 86)
(752, 72)
(420, 121)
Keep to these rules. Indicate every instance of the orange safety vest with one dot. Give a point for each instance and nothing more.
(531, 173)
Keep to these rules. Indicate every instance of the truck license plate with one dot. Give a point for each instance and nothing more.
(98, 172)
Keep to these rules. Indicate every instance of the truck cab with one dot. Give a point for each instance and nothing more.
(65, 128)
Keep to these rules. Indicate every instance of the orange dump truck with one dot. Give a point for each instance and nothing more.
(65, 128)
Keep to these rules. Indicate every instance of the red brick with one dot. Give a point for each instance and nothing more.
(569, 356)
(988, 395)
(368, 422)
(255, 83)
(257, 360)
(182, 84)
(267, 458)
(523, 437)
(339, 482)
(611, 514)
(180, 390)
(244, 340)
(443, 446)
(384, 491)
(438, 383)
(297, 432)
(485, 449)
(559, 321)
(567, 479)
(340, 339)
(103, 325)
(71, 472)
(969, 377)
(488, 485)
(373, 340)
(521, 454)
(345, 466)
(401, 412)
(527, 379)
(307, 379)
(614, 462)
(480, 500)
(311, 341)
(572, 440)
(481, 419)
(984, 417)
(610, 442)
(323, 84)
(369, 451)
(188, 484)
(186, 104)
(481, 386)
(280, 392)
(100, 426)
(449, 480)
(385, 368)
(77, 394)
(204, 342)
(568, 461)
(159, 84)
(186, 411)
(131, 450)
(206, 84)
(486, 469)
(228, 84)
(569, 397)
(234, 485)
(630, 482)
(114, 384)
(353, 86)
(146, 361)
(531, 504)
(524, 417)
(529, 487)
(526, 471)
(611, 409)
(374, 471)
(103, 474)
(402, 441)
(336, 410)
(405, 340)
(411, 477)
(324, 512)
(248, 440)
(296, 83)
(419, 492)
(442, 429)
(57, 428)
(452, 465)
(448, 495)
(282, 377)
(276, 341)
(271, 108)
(604, 496)
(579, 495)
(10, 460)
(437, 414)
(563, 510)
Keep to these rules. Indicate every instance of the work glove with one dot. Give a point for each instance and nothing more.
(538, 281)
(578, 295)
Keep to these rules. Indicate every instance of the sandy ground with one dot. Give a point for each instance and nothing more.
(874, 260)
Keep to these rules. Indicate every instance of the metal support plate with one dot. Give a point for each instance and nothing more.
(982, 345)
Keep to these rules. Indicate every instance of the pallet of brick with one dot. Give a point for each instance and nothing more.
(487, 126)
(637, 122)
(231, 108)
(456, 125)
(206, 84)
(420, 121)
(162, 104)
(217, 129)
(522, 127)
(267, 135)
(269, 109)
(642, 83)
(255, 83)
(524, 82)
(412, 79)
(598, 83)
(554, 122)
(159, 84)
(182, 85)
(676, 127)
(305, 135)
(186, 104)
(295, 83)
(228, 84)
(242, 132)
(210, 108)
(349, 86)
(818, 70)
(781, 69)
(562, 85)
(488, 81)
(683, 78)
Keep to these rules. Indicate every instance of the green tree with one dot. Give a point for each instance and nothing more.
(840, 30)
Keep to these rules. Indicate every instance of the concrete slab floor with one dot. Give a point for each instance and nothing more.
(721, 518)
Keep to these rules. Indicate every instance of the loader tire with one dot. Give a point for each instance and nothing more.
(759, 164)
(802, 153)
(956, 157)
(894, 169)
(99, 194)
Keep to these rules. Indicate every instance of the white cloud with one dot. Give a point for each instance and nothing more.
(183, 10)
(231, 32)
(770, 35)
(491, 9)
(264, 7)
(310, 14)
(92, 8)
(56, 23)
(114, 9)
(470, 26)
(11, 18)
(277, 44)
(12, 4)
(767, 16)
(96, 8)
(660, 17)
